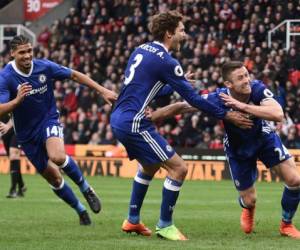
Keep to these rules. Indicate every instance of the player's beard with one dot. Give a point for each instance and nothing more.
(24, 66)
(176, 46)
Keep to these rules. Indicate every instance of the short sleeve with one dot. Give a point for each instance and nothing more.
(4, 91)
(59, 72)
(260, 93)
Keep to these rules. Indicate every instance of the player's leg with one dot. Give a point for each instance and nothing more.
(177, 171)
(36, 153)
(247, 201)
(290, 197)
(152, 151)
(243, 174)
(15, 154)
(12, 193)
(14, 157)
(140, 186)
(56, 153)
(52, 174)
(276, 155)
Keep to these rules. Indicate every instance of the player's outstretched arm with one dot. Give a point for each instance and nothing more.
(108, 95)
(8, 107)
(234, 117)
(170, 111)
(268, 110)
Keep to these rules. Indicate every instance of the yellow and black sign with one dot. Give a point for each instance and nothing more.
(208, 165)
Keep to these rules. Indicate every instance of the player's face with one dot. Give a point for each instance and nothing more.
(23, 55)
(178, 37)
(240, 81)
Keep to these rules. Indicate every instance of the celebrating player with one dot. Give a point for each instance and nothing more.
(149, 69)
(26, 90)
(243, 147)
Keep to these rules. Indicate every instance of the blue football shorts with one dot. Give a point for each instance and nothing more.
(35, 149)
(147, 147)
(269, 150)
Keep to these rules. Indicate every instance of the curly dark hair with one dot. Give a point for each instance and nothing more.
(163, 22)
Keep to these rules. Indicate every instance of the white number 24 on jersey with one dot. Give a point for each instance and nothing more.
(137, 60)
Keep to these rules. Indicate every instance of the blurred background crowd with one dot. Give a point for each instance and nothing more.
(97, 37)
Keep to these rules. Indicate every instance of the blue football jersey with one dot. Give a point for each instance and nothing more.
(39, 105)
(245, 142)
(151, 71)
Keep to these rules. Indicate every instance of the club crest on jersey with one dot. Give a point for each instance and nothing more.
(237, 183)
(178, 70)
(42, 78)
(169, 148)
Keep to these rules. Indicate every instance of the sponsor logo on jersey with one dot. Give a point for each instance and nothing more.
(40, 90)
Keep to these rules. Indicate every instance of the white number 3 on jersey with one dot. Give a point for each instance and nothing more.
(137, 60)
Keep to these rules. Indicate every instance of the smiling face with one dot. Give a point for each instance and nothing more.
(239, 81)
(178, 37)
(23, 55)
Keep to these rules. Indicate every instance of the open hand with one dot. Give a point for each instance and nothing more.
(239, 119)
(148, 113)
(190, 77)
(233, 103)
(109, 96)
(4, 128)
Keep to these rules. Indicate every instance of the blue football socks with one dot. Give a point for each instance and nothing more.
(66, 194)
(74, 172)
(289, 203)
(169, 197)
(139, 189)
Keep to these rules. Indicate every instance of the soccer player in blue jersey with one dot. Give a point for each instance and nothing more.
(243, 147)
(149, 69)
(26, 90)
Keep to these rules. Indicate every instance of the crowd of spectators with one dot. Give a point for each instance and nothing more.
(97, 37)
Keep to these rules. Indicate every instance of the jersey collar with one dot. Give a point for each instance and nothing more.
(161, 44)
(13, 64)
(228, 93)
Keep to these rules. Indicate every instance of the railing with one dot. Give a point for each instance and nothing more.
(290, 31)
(8, 31)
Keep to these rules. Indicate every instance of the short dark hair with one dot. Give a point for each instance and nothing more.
(163, 22)
(228, 67)
(17, 41)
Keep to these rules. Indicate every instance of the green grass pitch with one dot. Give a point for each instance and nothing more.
(207, 212)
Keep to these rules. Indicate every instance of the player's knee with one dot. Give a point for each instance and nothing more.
(58, 159)
(55, 181)
(180, 172)
(294, 181)
(184, 170)
(250, 200)
(14, 153)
